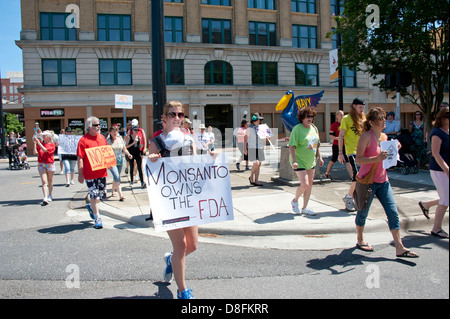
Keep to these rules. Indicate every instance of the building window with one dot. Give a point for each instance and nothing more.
(348, 77)
(304, 36)
(334, 7)
(59, 72)
(174, 1)
(334, 38)
(115, 72)
(306, 74)
(262, 4)
(262, 33)
(305, 6)
(216, 31)
(217, 2)
(264, 73)
(173, 29)
(53, 27)
(113, 27)
(175, 72)
(218, 73)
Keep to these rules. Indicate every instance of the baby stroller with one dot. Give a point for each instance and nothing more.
(407, 163)
(17, 158)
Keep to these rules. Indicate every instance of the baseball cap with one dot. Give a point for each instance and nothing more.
(256, 117)
(358, 102)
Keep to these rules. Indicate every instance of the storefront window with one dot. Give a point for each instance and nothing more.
(77, 126)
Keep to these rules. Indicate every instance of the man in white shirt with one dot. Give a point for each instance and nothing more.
(392, 126)
(202, 140)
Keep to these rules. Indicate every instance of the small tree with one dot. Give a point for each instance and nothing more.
(413, 36)
(13, 124)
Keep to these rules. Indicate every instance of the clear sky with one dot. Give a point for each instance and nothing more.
(10, 26)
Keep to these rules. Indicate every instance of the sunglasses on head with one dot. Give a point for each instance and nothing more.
(175, 114)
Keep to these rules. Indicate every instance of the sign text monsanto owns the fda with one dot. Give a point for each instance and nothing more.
(189, 190)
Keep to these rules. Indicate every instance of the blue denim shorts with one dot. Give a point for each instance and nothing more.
(385, 195)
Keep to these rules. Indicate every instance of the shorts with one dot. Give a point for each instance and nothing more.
(46, 167)
(256, 154)
(97, 188)
(303, 169)
(335, 150)
(440, 180)
(352, 160)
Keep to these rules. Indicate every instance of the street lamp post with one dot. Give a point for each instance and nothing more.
(340, 82)
(158, 62)
(2, 132)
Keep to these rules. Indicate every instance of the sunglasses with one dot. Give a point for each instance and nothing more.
(95, 125)
(310, 116)
(174, 114)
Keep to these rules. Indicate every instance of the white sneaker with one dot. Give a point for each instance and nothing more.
(72, 182)
(295, 208)
(307, 211)
(49, 198)
(349, 203)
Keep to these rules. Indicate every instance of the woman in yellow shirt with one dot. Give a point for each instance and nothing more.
(350, 130)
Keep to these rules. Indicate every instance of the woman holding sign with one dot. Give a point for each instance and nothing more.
(184, 240)
(254, 148)
(368, 153)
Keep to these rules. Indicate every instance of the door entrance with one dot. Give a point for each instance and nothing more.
(54, 125)
(220, 117)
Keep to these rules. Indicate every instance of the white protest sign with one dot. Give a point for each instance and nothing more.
(392, 148)
(123, 101)
(189, 190)
(264, 131)
(68, 144)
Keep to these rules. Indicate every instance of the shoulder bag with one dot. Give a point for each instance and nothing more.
(363, 189)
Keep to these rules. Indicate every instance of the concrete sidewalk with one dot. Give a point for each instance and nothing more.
(266, 210)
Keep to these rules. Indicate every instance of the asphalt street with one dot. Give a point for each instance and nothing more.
(54, 252)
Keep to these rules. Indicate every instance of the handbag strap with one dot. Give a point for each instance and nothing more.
(368, 179)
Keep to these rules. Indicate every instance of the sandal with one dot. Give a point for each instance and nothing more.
(440, 234)
(251, 183)
(364, 247)
(425, 211)
(408, 254)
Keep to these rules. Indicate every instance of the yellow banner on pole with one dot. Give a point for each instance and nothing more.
(334, 74)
